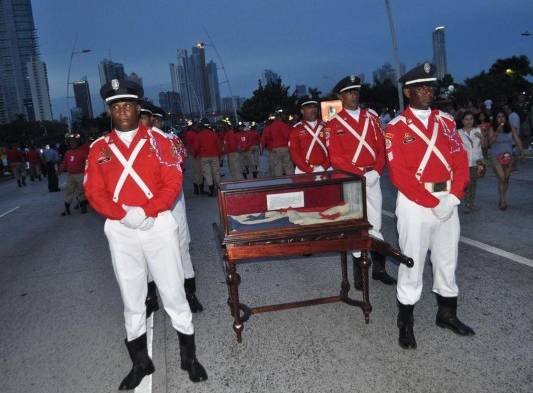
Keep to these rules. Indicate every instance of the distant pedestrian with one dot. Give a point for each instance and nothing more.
(35, 161)
(501, 138)
(473, 141)
(74, 164)
(51, 160)
(17, 162)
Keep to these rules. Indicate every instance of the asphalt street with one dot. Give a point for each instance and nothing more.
(62, 324)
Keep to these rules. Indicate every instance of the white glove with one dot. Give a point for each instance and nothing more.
(444, 210)
(372, 177)
(134, 216)
(147, 224)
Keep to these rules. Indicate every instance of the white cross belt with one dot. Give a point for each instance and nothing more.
(360, 138)
(316, 139)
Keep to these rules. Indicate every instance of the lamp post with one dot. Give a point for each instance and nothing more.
(74, 52)
(396, 54)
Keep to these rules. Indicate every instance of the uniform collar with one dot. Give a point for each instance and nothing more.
(142, 133)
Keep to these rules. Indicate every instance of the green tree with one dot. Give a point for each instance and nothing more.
(266, 99)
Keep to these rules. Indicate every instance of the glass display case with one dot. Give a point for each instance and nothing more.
(274, 207)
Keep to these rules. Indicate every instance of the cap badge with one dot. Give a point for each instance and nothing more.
(427, 68)
(115, 84)
(352, 78)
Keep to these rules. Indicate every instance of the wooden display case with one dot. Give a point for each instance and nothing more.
(291, 216)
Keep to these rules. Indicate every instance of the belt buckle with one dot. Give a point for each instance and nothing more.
(442, 186)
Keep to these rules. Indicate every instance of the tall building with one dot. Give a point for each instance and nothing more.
(214, 89)
(169, 101)
(269, 77)
(200, 83)
(300, 90)
(195, 81)
(387, 71)
(135, 78)
(18, 46)
(110, 70)
(40, 94)
(439, 52)
(227, 105)
(82, 96)
(180, 76)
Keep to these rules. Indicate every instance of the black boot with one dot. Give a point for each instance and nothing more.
(201, 188)
(67, 210)
(142, 364)
(19, 183)
(83, 207)
(24, 181)
(405, 324)
(190, 293)
(152, 305)
(378, 269)
(357, 274)
(447, 317)
(254, 174)
(196, 189)
(189, 362)
(212, 192)
(244, 175)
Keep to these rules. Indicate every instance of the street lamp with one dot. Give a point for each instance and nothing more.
(74, 52)
(526, 34)
(396, 54)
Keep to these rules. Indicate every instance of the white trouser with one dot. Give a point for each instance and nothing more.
(319, 168)
(133, 253)
(374, 201)
(419, 231)
(184, 237)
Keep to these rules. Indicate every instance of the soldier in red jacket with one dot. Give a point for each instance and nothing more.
(429, 167)
(74, 164)
(16, 161)
(231, 149)
(35, 160)
(356, 145)
(243, 145)
(207, 146)
(190, 142)
(307, 142)
(133, 178)
(276, 139)
(254, 139)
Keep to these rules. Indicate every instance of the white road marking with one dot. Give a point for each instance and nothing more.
(485, 247)
(146, 384)
(9, 211)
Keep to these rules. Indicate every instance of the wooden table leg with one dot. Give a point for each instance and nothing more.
(345, 284)
(365, 264)
(234, 280)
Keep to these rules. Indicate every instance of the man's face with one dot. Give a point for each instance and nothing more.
(350, 99)
(309, 112)
(146, 119)
(125, 115)
(420, 96)
(157, 122)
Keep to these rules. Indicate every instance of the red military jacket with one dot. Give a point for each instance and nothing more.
(74, 160)
(305, 156)
(254, 137)
(243, 140)
(276, 135)
(207, 144)
(178, 145)
(190, 137)
(14, 155)
(34, 156)
(230, 142)
(344, 147)
(405, 151)
(157, 164)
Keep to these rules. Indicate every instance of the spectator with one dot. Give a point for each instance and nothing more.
(473, 142)
(484, 125)
(501, 137)
(35, 160)
(51, 159)
(16, 160)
